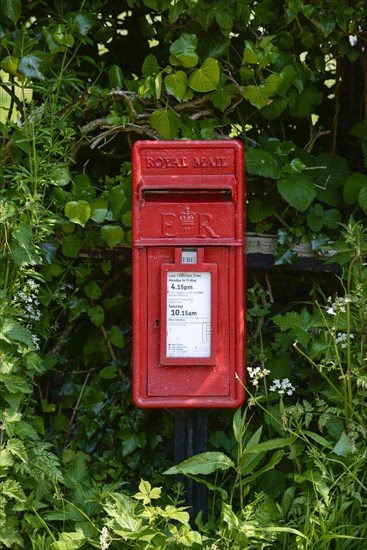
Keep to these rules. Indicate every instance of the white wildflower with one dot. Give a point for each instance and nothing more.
(256, 374)
(103, 539)
(282, 387)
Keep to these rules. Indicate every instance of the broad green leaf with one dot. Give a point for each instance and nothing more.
(109, 373)
(98, 210)
(82, 188)
(22, 233)
(250, 53)
(299, 325)
(112, 235)
(258, 211)
(205, 463)
(83, 22)
(213, 44)
(257, 95)
(10, 65)
(78, 212)
(318, 217)
(59, 175)
(330, 173)
(115, 77)
(224, 14)
(184, 48)
(132, 441)
(116, 336)
(71, 246)
(176, 84)
(96, 315)
(353, 186)
(206, 78)
(12, 9)
(344, 446)
(274, 108)
(304, 104)
(262, 163)
(93, 290)
(222, 97)
(150, 66)
(326, 24)
(298, 190)
(362, 198)
(287, 75)
(32, 66)
(166, 122)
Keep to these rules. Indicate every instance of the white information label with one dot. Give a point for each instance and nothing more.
(189, 257)
(188, 314)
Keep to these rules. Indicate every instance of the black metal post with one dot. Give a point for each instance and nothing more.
(191, 438)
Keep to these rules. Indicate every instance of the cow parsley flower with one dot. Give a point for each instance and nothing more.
(282, 387)
(256, 374)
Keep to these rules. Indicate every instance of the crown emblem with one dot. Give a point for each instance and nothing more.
(187, 219)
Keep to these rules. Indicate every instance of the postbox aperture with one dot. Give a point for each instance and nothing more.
(188, 273)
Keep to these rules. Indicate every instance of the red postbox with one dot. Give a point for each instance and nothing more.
(188, 273)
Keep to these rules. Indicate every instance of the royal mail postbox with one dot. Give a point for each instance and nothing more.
(188, 273)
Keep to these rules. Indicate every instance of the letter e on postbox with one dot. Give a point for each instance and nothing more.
(188, 274)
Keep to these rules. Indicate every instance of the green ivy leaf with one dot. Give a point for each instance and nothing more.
(112, 235)
(78, 212)
(166, 122)
(183, 50)
(257, 95)
(222, 97)
(213, 44)
(206, 78)
(176, 84)
(98, 210)
(274, 108)
(60, 174)
(298, 190)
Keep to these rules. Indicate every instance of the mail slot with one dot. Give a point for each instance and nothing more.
(188, 273)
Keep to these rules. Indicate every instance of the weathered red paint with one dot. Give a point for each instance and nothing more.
(188, 202)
